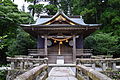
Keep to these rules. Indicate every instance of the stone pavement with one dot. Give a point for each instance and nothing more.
(61, 73)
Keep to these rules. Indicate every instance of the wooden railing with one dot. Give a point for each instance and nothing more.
(36, 52)
(84, 53)
(84, 50)
(37, 73)
(85, 73)
(40, 52)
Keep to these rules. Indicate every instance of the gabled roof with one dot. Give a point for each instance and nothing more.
(77, 21)
(60, 23)
(60, 14)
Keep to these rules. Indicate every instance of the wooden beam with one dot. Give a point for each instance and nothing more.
(74, 49)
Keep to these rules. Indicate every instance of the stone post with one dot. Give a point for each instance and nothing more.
(21, 65)
(93, 66)
(12, 65)
(25, 65)
(114, 66)
(104, 66)
(31, 64)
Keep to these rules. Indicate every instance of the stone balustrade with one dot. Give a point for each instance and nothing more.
(21, 64)
(86, 73)
(103, 63)
(37, 73)
(25, 62)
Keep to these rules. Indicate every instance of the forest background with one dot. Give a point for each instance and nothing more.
(105, 41)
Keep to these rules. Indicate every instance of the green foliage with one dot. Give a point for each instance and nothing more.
(51, 9)
(10, 18)
(107, 13)
(93, 11)
(20, 45)
(3, 75)
(2, 38)
(102, 43)
(115, 4)
(30, 7)
(38, 8)
(30, 0)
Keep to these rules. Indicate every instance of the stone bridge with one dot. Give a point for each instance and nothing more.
(39, 69)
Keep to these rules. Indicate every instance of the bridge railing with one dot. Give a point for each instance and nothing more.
(25, 63)
(21, 64)
(37, 73)
(86, 73)
(105, 64)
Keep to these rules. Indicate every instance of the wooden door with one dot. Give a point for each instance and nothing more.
(65, 51)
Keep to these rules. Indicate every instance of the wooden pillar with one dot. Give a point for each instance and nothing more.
(46, 45)
(74, 49)
(79, 42)
(40, 42)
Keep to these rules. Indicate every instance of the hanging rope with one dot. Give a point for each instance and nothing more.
(60, 40)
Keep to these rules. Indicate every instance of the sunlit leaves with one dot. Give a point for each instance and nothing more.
(39, 8)
(115, 20)
(2, 44)
(10, 18)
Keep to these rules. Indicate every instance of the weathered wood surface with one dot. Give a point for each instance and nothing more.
(25, 63)
(34, 73)
(91, 73)
(61, 73)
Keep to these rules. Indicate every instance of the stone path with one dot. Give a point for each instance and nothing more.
(61, 73)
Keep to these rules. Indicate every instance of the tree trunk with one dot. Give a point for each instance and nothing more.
(33, 12)
(2, 57)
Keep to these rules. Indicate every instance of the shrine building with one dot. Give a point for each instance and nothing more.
(60, 37)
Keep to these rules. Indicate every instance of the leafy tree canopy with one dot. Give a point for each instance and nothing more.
(10, 18)
(102, 43)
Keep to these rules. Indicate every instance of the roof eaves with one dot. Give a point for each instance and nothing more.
(94, 25)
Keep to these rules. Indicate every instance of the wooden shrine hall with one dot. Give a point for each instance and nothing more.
(60, 37)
